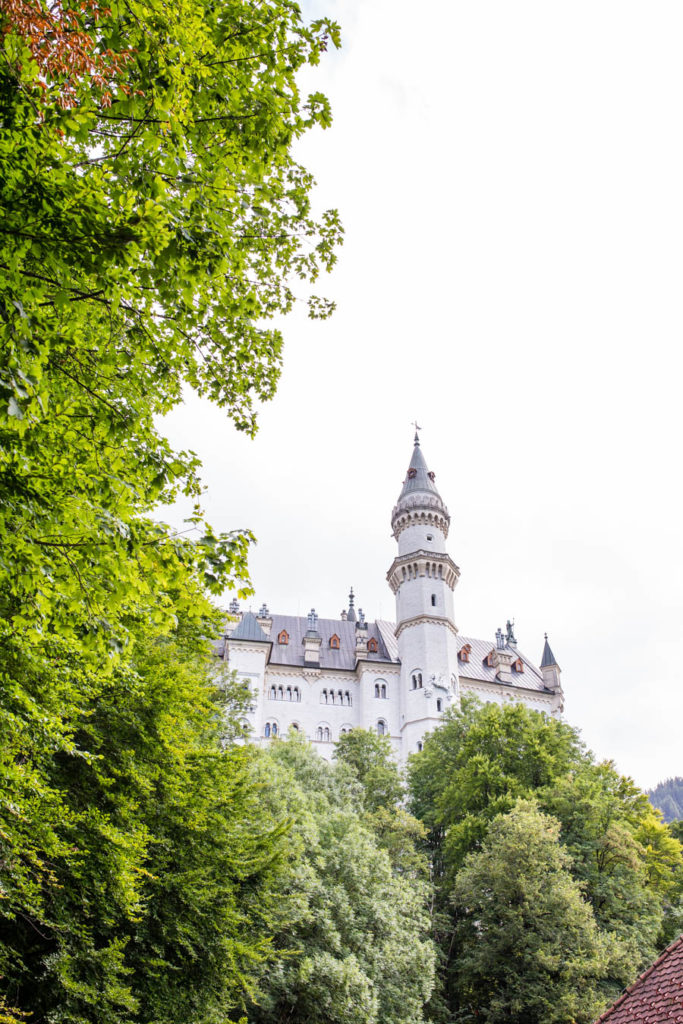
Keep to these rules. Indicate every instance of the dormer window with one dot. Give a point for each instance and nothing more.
(412, 473)
(372, 646)
(488, 660)
(432, 476)
(518, 665)
(334, 642)
(464, 652)
(283, 637)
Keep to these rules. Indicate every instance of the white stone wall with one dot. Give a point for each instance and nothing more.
(407, 714)
(423, 536)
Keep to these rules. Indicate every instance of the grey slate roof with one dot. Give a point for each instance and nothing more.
(344, 659)
(477, 669)
(249, 629)
(548, 657)
(420, 481)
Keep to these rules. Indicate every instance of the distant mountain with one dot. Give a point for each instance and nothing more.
(668, 797)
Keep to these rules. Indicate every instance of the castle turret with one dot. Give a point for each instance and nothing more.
(551, 671)
(423, 578)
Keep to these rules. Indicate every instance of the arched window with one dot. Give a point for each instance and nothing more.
(383, 691)
(283, 637)
(347, 699)
(419, 746)
(294, 727)
(280, 693)
(334, 642)
(323, 696)
(266, 731)
(272, 693)
(343, 731)
(274, 729)
(297, 694)
(340, 697)
(417, 680)
(433, 600)
(376, 689)
(319, 733)
(372, 646)
(439, 704)
(289, 693)
(381, 727)
(326, 735)
(331, 697)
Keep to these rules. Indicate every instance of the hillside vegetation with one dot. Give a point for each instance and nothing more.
(667, 797)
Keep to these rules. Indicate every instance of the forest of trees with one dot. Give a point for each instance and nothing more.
(155, 867)
(667, 797)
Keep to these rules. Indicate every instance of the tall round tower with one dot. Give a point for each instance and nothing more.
(423, 577)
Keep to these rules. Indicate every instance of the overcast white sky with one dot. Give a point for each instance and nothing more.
(510, 177)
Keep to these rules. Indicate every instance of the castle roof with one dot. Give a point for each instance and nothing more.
(417, 477)
(548, 658)
(419, 489)
(656, 997)
(249, 629)
(343, 658)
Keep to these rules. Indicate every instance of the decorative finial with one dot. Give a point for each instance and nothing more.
(500, 642)
(312, 621)
(545, 635)
(263, 611)
(351, 614)
(234, 607)
(417, 428)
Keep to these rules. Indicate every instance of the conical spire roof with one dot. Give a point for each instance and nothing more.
(418, 477)
(548, 658)
(419, 491)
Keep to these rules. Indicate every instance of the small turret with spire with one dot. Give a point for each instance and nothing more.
(550, 669)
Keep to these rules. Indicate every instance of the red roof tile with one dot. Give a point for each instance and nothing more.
(656, 997)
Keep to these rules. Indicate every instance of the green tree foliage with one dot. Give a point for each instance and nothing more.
(370, 758)
(481, 761)
(153, 220)
(372, 761)
(477, 764)
(152, 231)
(667, 797)
(530, 951)
(144, 893)
(358, 951)
(676, 829)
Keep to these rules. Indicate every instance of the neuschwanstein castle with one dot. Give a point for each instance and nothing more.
(324, 677)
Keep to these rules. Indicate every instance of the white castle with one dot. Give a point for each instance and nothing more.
(323, 677)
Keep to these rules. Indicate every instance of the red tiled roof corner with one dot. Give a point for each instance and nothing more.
(656, 997)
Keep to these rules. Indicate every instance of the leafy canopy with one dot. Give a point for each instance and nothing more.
(530, 951)
(359, 952)
(154, 220)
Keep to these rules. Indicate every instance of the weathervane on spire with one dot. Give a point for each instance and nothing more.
(417, 428)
